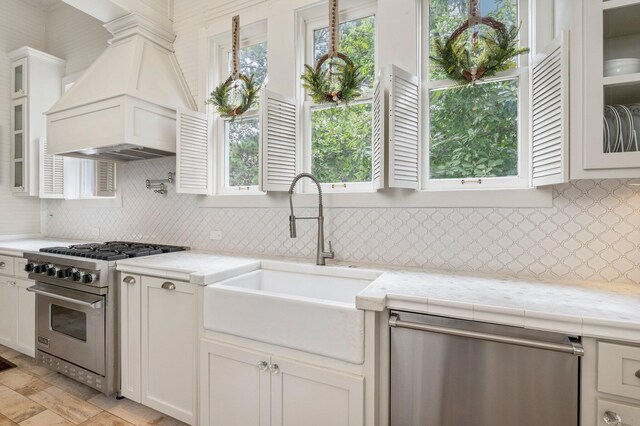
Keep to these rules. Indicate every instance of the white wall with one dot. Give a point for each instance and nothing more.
(75, 36)
(20, 25)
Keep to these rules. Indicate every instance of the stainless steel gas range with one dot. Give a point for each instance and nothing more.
(77, 330)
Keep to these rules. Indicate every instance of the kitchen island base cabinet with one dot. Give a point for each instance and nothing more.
(241, 386)
(163, 366)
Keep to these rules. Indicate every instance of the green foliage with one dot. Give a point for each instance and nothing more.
(243, 140)
(339, 82)
(247, 94)
(494, 53)
(474, 131)
(341, 143)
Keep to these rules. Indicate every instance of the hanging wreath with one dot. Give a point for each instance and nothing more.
(239, 93)
(490, 53)
(335, 78)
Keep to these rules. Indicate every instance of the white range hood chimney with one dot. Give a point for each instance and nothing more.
(124, 106)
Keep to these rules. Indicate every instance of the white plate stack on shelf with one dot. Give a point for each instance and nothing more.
(621, 125)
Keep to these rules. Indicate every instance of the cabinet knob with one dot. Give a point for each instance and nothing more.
(273, 368)
(638, 374)
(168, 286)
(129, 280)
(612, 418)
(263, 365)
(2, 264)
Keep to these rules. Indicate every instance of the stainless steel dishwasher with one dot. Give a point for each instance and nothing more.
(450, 372)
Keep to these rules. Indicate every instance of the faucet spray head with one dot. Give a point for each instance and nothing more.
(292, 226)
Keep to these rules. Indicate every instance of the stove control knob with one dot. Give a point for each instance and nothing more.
(45, 267)
(68, 272)
(89, 278)
(29, 267)
(52, 271)
(77, 276)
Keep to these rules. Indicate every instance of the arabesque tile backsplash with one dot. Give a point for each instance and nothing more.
(592, 232)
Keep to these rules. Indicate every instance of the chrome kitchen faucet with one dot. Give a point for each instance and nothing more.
(321, 255)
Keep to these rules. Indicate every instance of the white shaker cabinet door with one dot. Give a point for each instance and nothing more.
(302, 395)
(169, 340)
(8, 312)
(130, 335)
(234, 386)
(26, 317)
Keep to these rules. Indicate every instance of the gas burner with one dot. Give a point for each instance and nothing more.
(113, 250)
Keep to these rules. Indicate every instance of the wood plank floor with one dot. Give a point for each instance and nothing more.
(35, 396)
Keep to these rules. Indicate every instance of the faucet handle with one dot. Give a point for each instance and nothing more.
(329, 254)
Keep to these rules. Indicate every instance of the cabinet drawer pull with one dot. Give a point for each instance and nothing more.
(129, 280)
(274, 368)
(168, 285)
(2, 264)
(638, 374)
(612, 418)
(263, 365)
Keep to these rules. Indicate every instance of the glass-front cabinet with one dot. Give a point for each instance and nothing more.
(19, 148)
(19, 78)
(612, 87)
(36, 82)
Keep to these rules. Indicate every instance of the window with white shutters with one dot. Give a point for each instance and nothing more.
(105, 178)
(549, 123)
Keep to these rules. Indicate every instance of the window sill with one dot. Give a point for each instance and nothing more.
(483, 198)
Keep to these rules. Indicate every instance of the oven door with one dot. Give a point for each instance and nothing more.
(70, 325)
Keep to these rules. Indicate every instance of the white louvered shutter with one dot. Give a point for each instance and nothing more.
(105, 178)
(278, 145)
(404, 129)
(193, 158)
(378, 135)
(550, 114)
(51, 173)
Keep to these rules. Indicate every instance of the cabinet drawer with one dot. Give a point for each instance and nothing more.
(619, 370)
(629, 414)
(6, 265)
(18, 267)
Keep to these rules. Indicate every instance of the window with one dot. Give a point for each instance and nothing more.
(476, 136)
(338, 146)
(240, 138)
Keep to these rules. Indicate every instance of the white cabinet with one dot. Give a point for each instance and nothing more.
(242, 386)
(159, 340)
(130, 336)
(603, 31)
(17, 313)
(8, 312)
(26, 317)
(610, 383)
(36, 83)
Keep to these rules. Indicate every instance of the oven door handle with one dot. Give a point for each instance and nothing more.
(94, 305)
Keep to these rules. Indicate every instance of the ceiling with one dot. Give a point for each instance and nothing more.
(42, 4)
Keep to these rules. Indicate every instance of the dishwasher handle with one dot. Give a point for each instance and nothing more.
(574, 348)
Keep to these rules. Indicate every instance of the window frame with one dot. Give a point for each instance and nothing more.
(221, 153)
(521, 73)
(308, 105)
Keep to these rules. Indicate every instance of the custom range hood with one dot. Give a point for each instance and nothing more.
(123, 108)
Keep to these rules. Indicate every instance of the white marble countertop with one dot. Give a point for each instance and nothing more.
(197, 267)
(16, 247)
(606, 310)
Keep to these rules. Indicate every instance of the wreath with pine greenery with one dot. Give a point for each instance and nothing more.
(339, 82)
(490, 53)
(247, 93)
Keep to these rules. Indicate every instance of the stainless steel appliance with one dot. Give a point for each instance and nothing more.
(76, 308)
(449, 372)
